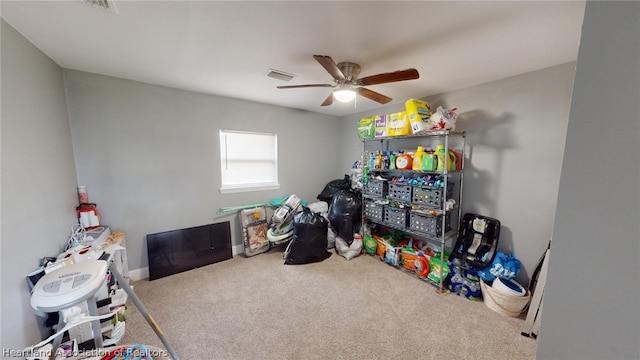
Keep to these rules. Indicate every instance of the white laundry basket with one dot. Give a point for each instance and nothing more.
(511, 305)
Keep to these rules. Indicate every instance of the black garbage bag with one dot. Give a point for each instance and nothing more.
(333, 187)
(345, 213)
(309, 243)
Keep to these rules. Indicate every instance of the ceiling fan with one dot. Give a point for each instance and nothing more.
(347, 84)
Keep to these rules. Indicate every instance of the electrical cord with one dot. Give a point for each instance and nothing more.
(79, 235)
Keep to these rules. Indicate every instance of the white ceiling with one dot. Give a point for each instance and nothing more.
(226, 47)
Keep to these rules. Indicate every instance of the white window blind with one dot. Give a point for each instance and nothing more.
(248, 161)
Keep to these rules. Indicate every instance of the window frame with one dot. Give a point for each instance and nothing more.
(246, 187)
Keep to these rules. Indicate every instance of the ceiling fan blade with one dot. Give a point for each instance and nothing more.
(303, 86)
(401, 75)
(330, 65)
(375, 96)
(328, 101)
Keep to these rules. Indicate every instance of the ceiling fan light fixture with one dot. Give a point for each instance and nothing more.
(344, 94)
(347, 85)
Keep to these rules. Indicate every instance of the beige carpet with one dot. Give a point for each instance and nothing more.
(258, 308)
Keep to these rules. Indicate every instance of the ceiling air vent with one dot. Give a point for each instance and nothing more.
(280, 75)
(108, 5)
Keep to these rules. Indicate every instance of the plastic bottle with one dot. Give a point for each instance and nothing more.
(473, 289)
(458, 160)
(83, 197)
(385, 160)
(442, 157)
(453, 160)
(372, 161)
(404, 162)
(378, 160)
(429, 161)
(392, 160)
(417, 158)
(457, 281)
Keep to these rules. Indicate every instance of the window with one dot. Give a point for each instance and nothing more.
(248, 161)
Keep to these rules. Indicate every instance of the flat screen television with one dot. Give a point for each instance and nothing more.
(180, 250)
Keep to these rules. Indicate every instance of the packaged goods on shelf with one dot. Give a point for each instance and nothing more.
(381, 128)
(419, 113)
(392, 255)
(370, 244)
(438, 270)
(381, 248)
(417, 158)
(404, 161)
(408, 259)
(398, 124)
(407, 208)
(443, 119)
(366, 128)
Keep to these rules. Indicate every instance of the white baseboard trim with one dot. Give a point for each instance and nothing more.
(139, 274)
(143, 273)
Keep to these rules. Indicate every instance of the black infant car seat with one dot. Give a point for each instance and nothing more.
(477, 241)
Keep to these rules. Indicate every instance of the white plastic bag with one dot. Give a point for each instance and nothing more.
(443, 119)
(331, 237)
(346, 251)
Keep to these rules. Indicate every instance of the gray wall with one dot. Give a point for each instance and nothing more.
(591, 296)
(38, 178)
(591, 306)
(515, 138)
(149, 155)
